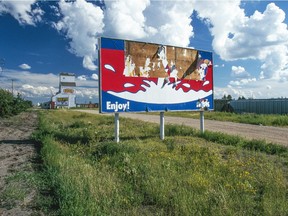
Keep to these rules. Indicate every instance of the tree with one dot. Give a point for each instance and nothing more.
(10, 105)
(229, 97)
(241, 98)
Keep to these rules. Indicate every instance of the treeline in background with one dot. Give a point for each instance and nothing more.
(12, 105)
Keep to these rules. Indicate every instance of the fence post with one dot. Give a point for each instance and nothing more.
(202, 122)
(162, 129)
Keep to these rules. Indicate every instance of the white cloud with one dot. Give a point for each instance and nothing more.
(126, 18)
(39, 87)
(239, 71)
(87, 92)
(164, 22)
(22, 11)
(95, 76)
(82, 22)
(216, 65)
(252, 88)
(220, 16)
(33, 86)
(82, 77)
(32, 90)
(242, 82)
(88, 63)
(161, 22)
(262, 36)
(25, 66)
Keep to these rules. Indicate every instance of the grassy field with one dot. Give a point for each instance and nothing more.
(186, 174)
(248, 118)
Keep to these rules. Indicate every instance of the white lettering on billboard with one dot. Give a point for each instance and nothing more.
(117, 106)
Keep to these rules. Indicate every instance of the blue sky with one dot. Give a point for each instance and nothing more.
(40, 39)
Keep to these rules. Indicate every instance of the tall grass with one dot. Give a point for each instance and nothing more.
(141, 175)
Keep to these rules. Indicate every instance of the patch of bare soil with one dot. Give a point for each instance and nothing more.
(16, 154)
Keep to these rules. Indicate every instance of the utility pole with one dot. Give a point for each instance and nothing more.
(12, 86)
(2, 63)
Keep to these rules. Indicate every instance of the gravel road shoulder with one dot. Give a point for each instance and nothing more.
(276, 135)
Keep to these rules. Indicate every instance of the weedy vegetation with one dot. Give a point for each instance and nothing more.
(186, 174)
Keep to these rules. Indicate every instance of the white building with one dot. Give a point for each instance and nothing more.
(66, 96)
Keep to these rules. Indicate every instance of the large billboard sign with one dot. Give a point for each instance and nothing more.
(139, 76)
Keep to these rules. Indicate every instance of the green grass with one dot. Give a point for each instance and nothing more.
(248, 118)
(188, 173)
(21, 187)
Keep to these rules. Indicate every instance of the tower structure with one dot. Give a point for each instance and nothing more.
(66, 96)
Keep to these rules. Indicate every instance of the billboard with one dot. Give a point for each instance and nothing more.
(62, 101)
(68, 90)
(138, 76)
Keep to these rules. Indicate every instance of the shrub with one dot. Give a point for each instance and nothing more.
(10, 105)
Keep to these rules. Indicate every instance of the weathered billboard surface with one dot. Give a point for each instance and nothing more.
(139, 76)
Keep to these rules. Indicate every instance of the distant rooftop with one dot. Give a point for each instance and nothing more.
(67, 83)
(67, 74)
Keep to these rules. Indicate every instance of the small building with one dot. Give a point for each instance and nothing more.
(45, 105)
(261, 106)
(66, 97)
(89, 105)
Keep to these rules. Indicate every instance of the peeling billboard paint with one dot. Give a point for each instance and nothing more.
(139, 76)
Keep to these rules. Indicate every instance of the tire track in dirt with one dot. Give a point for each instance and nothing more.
(16, 153)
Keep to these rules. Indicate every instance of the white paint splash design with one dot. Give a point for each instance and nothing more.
(109, 67)
(161, 95)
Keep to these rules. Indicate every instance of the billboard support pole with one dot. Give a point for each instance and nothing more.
(162, 132)
(116, 128)
(202, 122)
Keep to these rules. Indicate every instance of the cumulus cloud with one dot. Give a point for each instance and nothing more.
(40, 87)
(172, 19)
(25, 66)
(253, 88)
(82, 22)
(262, 36)
(32, 90)
(126, 19)
(243, 82)
(22, 11)
(82, 77)
(88, 92)
(33, 86)
(238, 71)
(164, 22)
(94, 77)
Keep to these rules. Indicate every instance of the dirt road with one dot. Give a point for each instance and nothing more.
(16, 152)
(275, 135)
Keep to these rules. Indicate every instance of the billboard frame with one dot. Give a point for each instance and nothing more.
(150, 108)
(162, 120)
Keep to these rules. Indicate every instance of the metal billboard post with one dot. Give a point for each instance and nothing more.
(202, 122)
(116, 128)
(162, 131)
